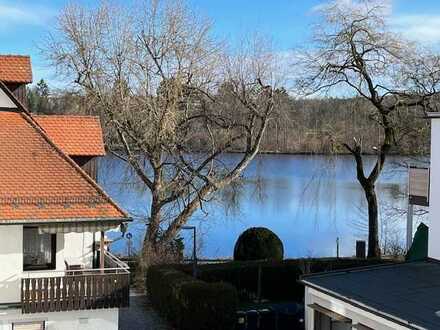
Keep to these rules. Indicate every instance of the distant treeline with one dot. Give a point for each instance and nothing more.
(318, 125)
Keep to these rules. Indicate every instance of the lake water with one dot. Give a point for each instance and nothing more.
(308, 201)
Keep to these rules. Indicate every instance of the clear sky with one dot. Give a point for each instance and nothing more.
(24, 23)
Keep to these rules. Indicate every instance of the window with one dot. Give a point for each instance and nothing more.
(326, 322)
(28, 326)
(39, 250)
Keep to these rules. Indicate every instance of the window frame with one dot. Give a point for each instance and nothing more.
(20, 323)
(53, 251)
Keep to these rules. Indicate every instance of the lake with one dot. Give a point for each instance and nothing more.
(308, 201)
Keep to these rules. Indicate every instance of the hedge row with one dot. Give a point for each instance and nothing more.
(279, 279)
(189, 303)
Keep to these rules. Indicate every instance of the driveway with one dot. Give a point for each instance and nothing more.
(140, 315)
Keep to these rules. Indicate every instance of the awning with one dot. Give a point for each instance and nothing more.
(334, 316)
(77, 227)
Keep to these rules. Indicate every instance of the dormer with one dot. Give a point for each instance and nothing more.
(16, 73)
(80, 137)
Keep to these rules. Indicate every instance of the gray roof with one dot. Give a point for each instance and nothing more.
(408, 293)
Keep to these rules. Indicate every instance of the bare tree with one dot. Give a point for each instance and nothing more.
(356, 54)
(172, 100)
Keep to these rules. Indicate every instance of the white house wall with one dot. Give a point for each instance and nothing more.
(434, 204)
(73, 320)
(11, 263)
(5, 101)
(74, 246)
(357, 315)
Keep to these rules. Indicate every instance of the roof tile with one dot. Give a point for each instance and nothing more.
(38, 181)
(75, 135)
(15, 69)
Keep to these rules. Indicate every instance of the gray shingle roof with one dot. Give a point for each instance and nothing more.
(405, 291)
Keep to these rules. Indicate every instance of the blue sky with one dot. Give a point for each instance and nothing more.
(24, 23)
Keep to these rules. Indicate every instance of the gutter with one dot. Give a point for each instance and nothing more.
(6, 222)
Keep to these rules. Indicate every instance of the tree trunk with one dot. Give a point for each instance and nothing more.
(368, 185)
(150, 246)
(373, 222)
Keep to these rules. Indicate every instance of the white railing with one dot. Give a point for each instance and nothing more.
(115, 261)
(113, 265)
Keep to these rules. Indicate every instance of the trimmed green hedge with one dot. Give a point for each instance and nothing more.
(189, 303)
(279, 280)
(258, 243)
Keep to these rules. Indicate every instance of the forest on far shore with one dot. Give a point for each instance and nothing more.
(311, 126)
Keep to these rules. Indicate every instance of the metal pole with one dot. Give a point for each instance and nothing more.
(409, 214)
(337, 247)
(101, 252)
(194, 252)
(259, 284)
(409, 226)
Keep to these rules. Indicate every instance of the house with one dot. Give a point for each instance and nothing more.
(392, 296)
(52, 212)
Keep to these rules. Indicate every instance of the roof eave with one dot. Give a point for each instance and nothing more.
(6, 222)
(432, 115)
(23, 81)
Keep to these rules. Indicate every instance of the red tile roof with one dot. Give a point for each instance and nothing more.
(38, 181)
(15, 69)
(75, 135)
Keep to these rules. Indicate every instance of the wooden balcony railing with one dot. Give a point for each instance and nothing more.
(77, 289)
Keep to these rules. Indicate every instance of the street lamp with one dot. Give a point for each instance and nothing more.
(193, 228)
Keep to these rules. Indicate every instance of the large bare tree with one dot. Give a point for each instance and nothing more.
(173, 101)
(354, 53)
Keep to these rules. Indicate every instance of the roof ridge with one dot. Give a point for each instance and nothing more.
(355, 269)
(34, 124)
(14, 55)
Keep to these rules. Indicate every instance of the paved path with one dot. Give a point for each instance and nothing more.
(140, 315)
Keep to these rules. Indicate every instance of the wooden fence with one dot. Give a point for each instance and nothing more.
(75, 292)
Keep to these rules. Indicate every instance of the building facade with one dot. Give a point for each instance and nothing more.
(55, 272)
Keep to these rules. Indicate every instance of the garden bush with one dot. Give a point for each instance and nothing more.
(258, 244)
(189, 303)
(279, 279)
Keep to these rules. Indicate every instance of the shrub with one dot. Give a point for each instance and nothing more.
(258, 244)
(208, 305)
(279, 279)
(189, 303)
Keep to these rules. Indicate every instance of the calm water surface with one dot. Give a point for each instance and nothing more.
(308, 201)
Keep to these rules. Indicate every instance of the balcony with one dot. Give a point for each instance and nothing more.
(77, 289)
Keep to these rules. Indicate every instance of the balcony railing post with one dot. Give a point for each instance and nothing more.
(101, 252)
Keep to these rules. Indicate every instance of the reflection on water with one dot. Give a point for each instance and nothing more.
(308, 201)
